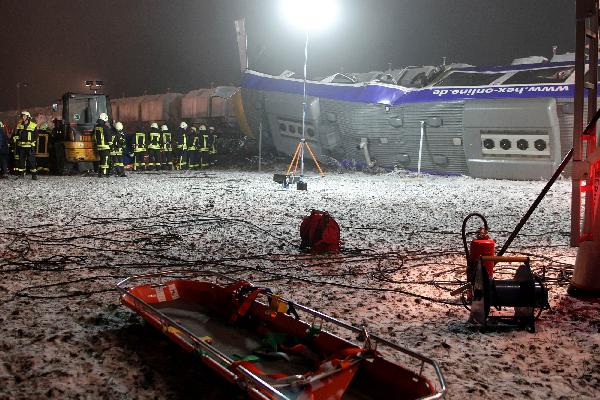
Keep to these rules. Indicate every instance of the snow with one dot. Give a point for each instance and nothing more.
(66, 241)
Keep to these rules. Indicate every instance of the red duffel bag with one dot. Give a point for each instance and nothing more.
(320, 233)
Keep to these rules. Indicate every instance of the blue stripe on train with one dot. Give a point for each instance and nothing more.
(385, 94)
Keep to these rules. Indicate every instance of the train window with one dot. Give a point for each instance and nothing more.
(546, 75)
(311, 132)
(469, 79)
(292, 128)
(282, 127)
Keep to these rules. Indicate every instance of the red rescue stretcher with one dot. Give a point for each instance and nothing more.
(260, 341)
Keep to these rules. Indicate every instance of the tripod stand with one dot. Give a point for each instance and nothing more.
(299, 158)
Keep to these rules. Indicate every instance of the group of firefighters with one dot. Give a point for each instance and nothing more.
(186, 148)
(155, 149)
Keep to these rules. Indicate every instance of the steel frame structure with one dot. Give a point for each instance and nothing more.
(585, 218)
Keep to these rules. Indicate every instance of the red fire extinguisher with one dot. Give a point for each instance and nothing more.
(482, 245)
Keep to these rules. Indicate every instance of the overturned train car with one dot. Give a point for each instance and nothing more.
(508, 122)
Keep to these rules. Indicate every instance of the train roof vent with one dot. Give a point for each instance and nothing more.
(338, 78)
(287, 74)
(529, 60)
(563, 57)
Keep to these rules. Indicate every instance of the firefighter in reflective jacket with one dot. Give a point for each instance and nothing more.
(180, 143)
(116, 150)
(154, 145)
(192, 150)
(167, 148)
(204, 150)
(4, 152)
(26, 138)
(139, 151)
(212, 144)
(103, 137)
(13, 150)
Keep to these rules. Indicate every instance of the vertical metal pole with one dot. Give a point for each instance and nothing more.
(304, 105)
(260, 147)
(421, 146)
(592, 107)
(242, 41)
(578, 105)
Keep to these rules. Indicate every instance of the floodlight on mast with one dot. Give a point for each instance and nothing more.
(309, 15)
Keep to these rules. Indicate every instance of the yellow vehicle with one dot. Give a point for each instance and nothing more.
(72, 142)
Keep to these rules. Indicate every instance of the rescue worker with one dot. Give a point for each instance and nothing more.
(26, 138)
(103, 137)
(204, 149)
(167, 148)
(112, 155)
(117, 148)
(4, 152)
(42, 155)
(180, 143)
(139, 151)
(192, 151)
(154, 146)
(212, 144)
(14, 152)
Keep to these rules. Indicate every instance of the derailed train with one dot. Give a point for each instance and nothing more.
(505, 122)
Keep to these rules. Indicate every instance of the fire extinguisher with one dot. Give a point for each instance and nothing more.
(482, 245)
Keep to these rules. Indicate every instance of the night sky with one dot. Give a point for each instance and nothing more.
(151, 46)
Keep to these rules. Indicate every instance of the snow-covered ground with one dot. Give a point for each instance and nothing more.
(66, 241)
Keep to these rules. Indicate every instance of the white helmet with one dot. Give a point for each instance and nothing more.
(194, 128)
(164, 128)
(154, 125)
(211, 128)
(202, 127)
(183, 125)
(119, 126)
(26, 113)
(104, 117)
(1, 124)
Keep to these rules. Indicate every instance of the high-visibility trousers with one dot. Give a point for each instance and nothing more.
(167, 159)
(26, 159)
(180, 158)
(194, 159)
(153, 159)
(139, 162)
(104, 162)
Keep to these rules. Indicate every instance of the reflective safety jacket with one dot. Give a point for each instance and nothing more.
(192, 140)
(154, 140)
(167, 143)
(118, 143)
(180, 138)
(3, 141)
(213, 145)
(26, 135)
(140, 142)
(102, 135)
(204, 147)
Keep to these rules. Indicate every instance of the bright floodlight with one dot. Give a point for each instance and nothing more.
(309, 14)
